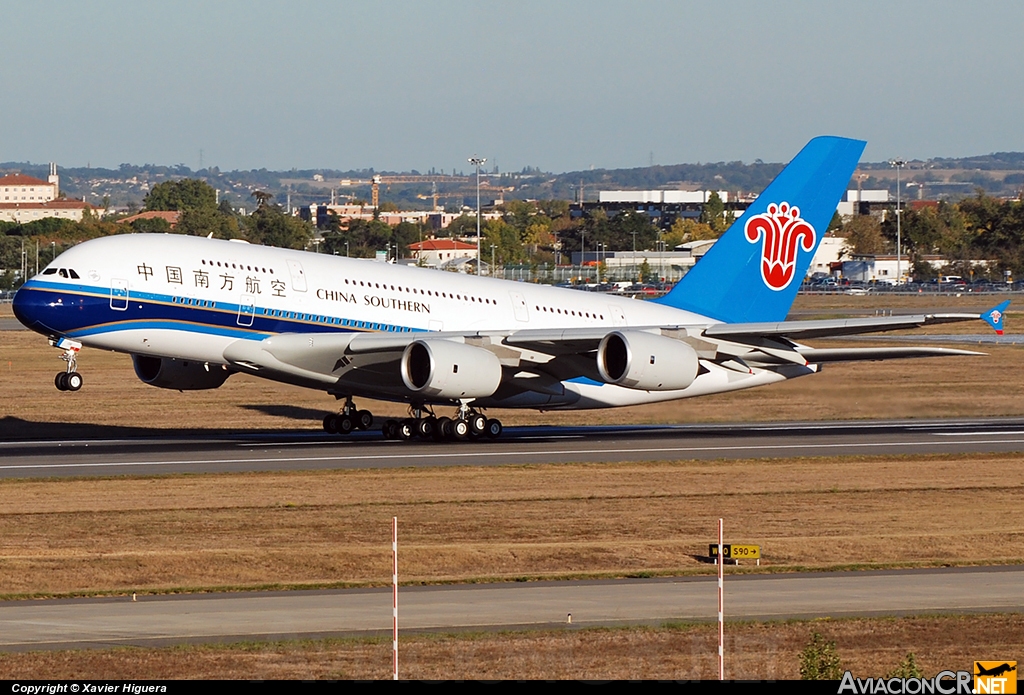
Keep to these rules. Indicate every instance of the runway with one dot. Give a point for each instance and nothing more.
(153, 455)
(26, 625)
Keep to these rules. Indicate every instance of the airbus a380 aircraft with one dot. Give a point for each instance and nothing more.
(192, 311)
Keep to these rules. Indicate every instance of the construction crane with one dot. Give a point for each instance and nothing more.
(377, 179)
(375, 188)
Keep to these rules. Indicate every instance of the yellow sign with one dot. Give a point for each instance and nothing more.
(995, 677)
(732, 551)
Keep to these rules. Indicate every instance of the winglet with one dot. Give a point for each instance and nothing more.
(994, 316)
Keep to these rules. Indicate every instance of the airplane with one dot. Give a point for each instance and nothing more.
(192, 311)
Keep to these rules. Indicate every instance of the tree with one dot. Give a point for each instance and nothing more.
(713, 214)
(864, 236)
(819, 661)
(269, 226)
(645, 271)
(152, 225)
(907, 668)
(184, 194)
(206, 221)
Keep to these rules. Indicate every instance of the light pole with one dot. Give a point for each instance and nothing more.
(477, 161)
(899, 164)
(634, 256)
(492, 261)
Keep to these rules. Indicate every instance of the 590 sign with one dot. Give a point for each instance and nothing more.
(731, 551)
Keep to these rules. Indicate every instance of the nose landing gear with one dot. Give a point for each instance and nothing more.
(69, 379)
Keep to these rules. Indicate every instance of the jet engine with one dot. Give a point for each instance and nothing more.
(646, 361)
(182, 375)
(450, 370)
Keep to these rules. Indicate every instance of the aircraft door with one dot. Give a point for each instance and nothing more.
(246, 310)
(618, 318)
(519, 306)
(118, 294)
(298, 276)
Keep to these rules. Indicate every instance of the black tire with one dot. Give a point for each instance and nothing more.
(425, 427)
(443, 429)
(477, 423)
(60, 381)
(460, 430)
(388, 430)
(345, 424)
(406, 429)
(494, 428)
(363, 419)
(74, 381)
(331, 423)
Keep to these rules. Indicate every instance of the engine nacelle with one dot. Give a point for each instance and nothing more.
(181, 375)
(450, 370)
(646, 361)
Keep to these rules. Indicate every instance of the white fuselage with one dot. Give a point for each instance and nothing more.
(212, 293)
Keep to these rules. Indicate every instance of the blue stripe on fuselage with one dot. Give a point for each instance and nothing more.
(78, 311)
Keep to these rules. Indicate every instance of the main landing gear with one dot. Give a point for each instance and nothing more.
(69, 379)
(348, 419)
(423, 424)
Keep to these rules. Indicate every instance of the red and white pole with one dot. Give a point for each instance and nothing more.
(721, 606)
(394, 585)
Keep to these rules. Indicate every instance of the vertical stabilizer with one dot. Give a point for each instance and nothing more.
(754, 271)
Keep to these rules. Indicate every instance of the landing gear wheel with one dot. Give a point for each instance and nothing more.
(406, 429)
(460, 429)
(74, 381)
(426, 427)
(363, 419)
(331, 423)
(345, 424)
(493, 430)
(389, 429)
(477, 424)
(443, 429)
(61, 381)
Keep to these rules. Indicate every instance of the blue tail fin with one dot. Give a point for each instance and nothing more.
(754, 271)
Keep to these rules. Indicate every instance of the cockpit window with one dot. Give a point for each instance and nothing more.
(63, 273)
(73, 274)
(49, 271)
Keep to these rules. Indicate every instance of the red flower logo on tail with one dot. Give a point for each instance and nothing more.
(781, 230)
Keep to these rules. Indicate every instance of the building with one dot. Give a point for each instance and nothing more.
(18, 188)
(435, 253)
(25, 199)
(170, 216)
(23, 213)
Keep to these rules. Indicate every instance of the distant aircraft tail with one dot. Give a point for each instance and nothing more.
(754, 270)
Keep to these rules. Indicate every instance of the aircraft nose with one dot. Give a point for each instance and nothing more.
(32, 307)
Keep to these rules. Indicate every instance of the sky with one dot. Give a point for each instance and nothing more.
(563, 86)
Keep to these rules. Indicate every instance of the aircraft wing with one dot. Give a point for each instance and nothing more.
(374, 360)
(827, 328)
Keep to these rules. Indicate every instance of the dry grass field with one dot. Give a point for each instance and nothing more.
(753, 651)
(327, 528)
